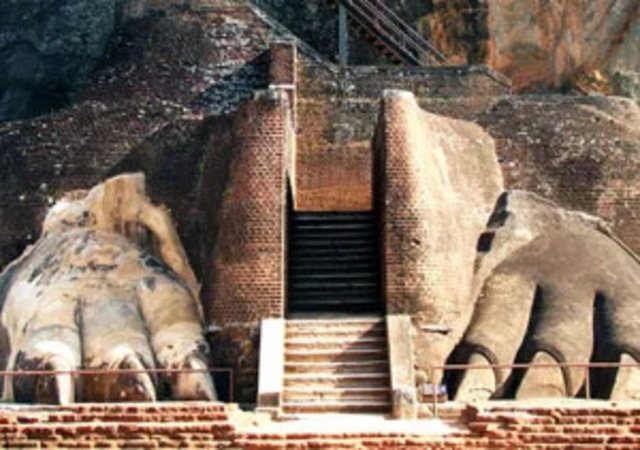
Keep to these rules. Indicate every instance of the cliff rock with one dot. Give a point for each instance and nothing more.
(541, 44)
(47, 49)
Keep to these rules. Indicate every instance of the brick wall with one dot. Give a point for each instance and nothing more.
(243, 194)
(438, 184)
(592, 425)
(245, 281)
(337, 112)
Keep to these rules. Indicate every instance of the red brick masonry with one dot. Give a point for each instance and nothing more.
(592, 425)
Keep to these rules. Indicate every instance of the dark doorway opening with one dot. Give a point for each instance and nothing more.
(334, 263)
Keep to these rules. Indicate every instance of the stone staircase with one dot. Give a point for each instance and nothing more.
(334, 264)
(336, 366)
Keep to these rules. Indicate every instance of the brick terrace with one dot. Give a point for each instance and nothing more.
(562, 424)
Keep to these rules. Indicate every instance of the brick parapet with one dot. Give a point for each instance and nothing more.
(209, 425)
(282, 72)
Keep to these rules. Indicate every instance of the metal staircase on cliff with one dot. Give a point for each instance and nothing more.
(390, 33)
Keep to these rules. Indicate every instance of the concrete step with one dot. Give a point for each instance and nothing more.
(328, 258)
(311, 227)
(329, 343)
(300, 254)
(348, 305)
(338, 233)
(343, 322)
(306, 218)
(353, 407)
(374, 366)
(337, 366)
(333, 266)
(339, 339)
(333, 293)
(344, 334)
(344, 380)
(328, 355)
(360, 242)
(335, 275)
(326, 287)
(307, 395)
(347, 325)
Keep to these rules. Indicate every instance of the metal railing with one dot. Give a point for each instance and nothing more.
(435, 371)
(78, 373)
(376, 18)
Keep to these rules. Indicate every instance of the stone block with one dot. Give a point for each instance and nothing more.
(271, 362)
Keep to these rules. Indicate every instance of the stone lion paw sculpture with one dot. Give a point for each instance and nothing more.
(88, 295)
(493, 278)
(556, 288)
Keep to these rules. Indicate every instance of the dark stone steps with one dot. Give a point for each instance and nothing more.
(334, 263)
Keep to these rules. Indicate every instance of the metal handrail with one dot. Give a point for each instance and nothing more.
(410, 30)
(96, 372)
(406, 43)
(392, 33)
(435, 370)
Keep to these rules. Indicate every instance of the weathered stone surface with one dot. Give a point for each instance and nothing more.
(550, 44)
(142, 110)
(86, 295)
(539, 44)
(559, 288)
(580, 152)
(545, 285)
(440, 181)
(47, 49)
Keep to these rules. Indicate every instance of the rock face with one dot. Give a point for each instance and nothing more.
(47, 49)
(86, 295)
(565, 39)
(579, 151)
(540, 44)
(141, 111)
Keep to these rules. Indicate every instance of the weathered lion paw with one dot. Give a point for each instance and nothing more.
(555, 289)
(87, 296)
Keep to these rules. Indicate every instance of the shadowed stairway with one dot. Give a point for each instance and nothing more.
(336, 357)
(334, 263)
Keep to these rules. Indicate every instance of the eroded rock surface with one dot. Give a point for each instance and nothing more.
(47, 49)
(528, 283)
(88, 295)
(541, 44)
(555, 287)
